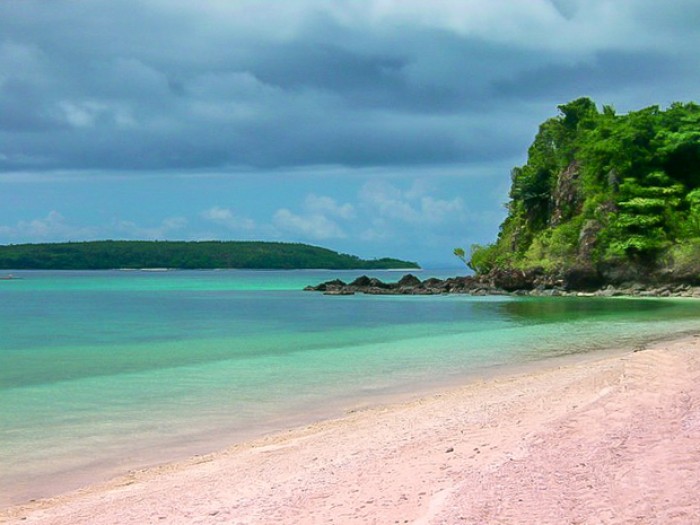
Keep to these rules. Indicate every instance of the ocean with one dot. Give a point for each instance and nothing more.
(102, 372)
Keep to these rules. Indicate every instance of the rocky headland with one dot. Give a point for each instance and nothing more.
(605, 205)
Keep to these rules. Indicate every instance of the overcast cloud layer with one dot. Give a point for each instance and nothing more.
(353, 124)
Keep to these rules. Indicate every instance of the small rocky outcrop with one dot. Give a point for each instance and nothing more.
(328, 285)
(367, 282)
(409, 281)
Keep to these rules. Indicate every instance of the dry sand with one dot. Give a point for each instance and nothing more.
(613, 440)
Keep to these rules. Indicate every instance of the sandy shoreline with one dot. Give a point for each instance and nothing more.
(615, 440)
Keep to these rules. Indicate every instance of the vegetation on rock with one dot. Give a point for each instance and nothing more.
(614, 197)
(102, 255)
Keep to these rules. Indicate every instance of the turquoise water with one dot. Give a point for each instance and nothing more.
(105, 371)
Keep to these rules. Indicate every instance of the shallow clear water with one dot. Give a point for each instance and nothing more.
(105, 371)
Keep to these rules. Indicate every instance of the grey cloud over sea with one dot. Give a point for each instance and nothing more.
(159, 85)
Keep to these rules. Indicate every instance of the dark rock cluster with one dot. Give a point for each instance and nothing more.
(408, 285)
(576, 282)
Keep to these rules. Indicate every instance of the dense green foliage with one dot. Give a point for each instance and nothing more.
(101, 255)
(615, 193)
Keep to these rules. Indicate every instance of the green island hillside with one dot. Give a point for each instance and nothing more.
(603, 199)
(102, 255)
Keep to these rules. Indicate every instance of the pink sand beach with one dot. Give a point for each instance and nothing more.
(605, 441)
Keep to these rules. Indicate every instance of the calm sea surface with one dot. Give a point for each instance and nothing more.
(101, 372)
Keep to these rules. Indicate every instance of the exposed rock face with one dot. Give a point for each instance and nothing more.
(566, 197)
(582, 278)
(618, 274)
(587, 239)
(511, 280)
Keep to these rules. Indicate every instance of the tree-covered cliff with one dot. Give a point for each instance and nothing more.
(608, 197)
(102, 255)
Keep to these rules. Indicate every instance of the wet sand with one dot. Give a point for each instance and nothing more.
(615, 439)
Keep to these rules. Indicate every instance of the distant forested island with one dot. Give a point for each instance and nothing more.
(604, 199)
(104, 255)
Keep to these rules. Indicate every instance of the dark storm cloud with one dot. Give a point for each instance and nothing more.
(326, 67)
(607, 71)
(157, 85)
(417, 70)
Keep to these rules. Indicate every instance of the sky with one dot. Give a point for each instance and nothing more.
(371, 127)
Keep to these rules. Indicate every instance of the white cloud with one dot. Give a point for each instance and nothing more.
(81, 115)
(312, 226)
(327, 205)
(86, 114)
(379, 231)
(387, 201)
(579, 26)
(225, 217)
(164, 230)
(410, 206)
(53, 227)
(438, 210)
(314, 221)
(495, 19)
(174, 223)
